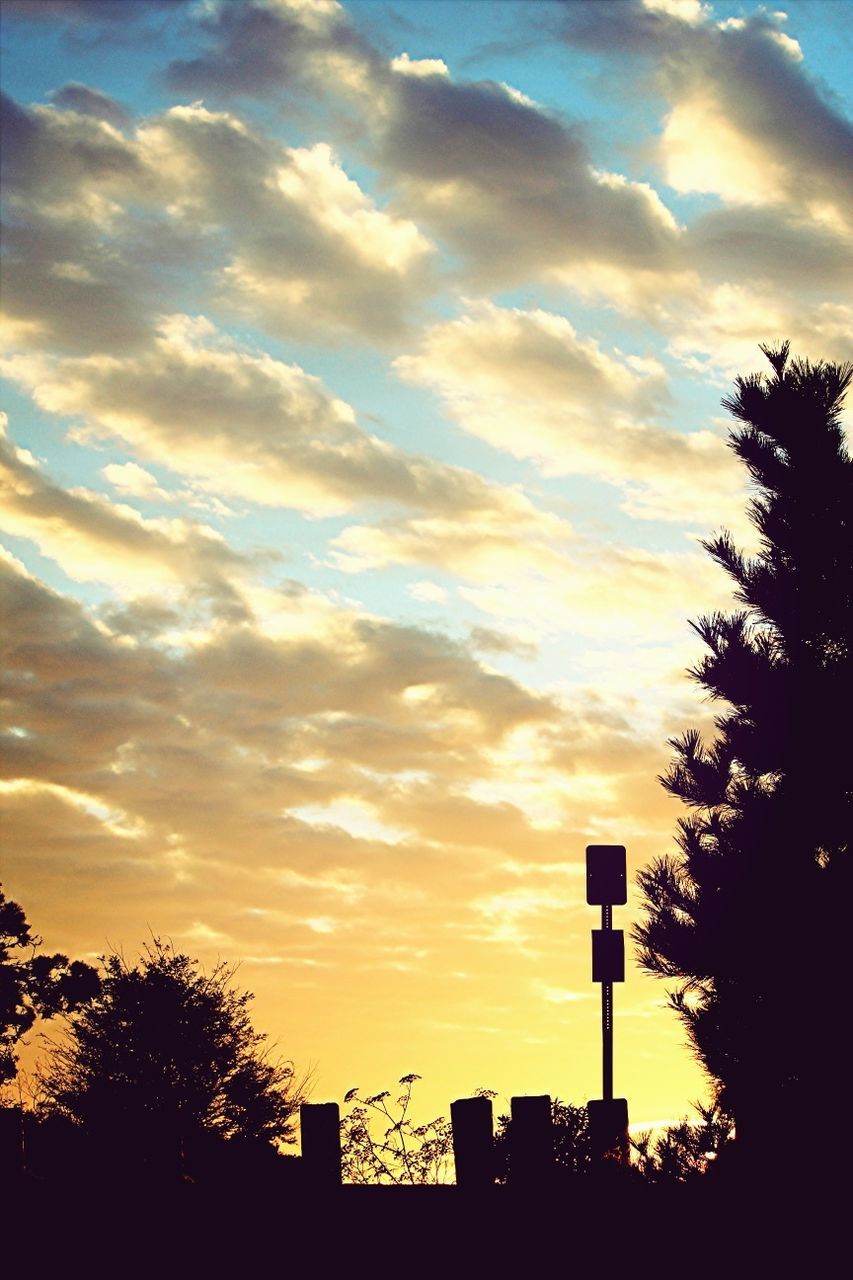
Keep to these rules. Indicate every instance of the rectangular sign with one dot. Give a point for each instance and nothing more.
(606, 879)
(608, 955)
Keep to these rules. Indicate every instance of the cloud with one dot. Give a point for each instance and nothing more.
(746, 120)
(88, 101)
(720, 337)
(106, 227)
(544, 356)
(242, 728)
(63, 157)
(248, 768)
(368, 668)
(501, 181)
(270, 47)
(95, 540)
(527, 383)
(246, 776)
(497, 178)
(76, 12)
(102, 223)
(513, 190)
(131, 479)
(309, 251)
(511, 536)
(330, 259)
(750, 126)
(345, 800)
(235, 784)
(74, 691)
(81, 272)
(244, 425)
(771, 247)
(606, 592)
(427, 592)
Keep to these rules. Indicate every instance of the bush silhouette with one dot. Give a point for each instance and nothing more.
(163, 1067)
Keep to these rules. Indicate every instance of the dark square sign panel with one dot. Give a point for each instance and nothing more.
(606, 879)
(608, 955)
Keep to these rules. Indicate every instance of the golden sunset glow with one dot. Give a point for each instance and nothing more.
(362, 368)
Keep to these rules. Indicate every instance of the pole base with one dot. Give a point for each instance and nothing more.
(608, 1129)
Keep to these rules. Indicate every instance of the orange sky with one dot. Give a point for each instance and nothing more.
(362, 368)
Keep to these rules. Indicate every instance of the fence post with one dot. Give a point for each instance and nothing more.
(531, 1148)
(608, 1129)
(473, 1142)
(321, 1143)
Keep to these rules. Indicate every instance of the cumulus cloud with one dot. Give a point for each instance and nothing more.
(238, 783)
(770, 247)
(427, 592)
(526, 382)
(310, 252)
(210, 751)
(89, 101)
(512, 537)
(492, 174)
(330, 259)
(74, 12)
(81, 273)
(720, 337)
(746, 120)
(64, 158)
(101, 222)
(261, 47)
(245, 425)
(294, 673)
(513, 189)
(131, 479)
(620, 593)
(95, 540)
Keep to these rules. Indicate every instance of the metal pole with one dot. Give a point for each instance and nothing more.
(607, 1018)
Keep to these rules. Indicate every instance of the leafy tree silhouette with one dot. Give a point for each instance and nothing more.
(750, 917)
(163, 1067)
(32, 985)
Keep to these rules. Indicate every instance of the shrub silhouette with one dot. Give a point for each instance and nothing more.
(163, 1067)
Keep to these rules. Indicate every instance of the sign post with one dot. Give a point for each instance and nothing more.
(606, 886)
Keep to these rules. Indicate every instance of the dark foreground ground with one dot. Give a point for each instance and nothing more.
(119, 1227)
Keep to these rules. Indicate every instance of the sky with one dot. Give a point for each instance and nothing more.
(362, 375)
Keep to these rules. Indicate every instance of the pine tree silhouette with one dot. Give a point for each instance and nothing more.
(750, 917)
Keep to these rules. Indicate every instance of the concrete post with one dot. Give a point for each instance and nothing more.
(321, 1143)
(473, 1142)
(531, 1149)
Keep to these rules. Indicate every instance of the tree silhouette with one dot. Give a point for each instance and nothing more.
(31, 985)
(750, 917)
(685, 1150)
(164, 1066)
